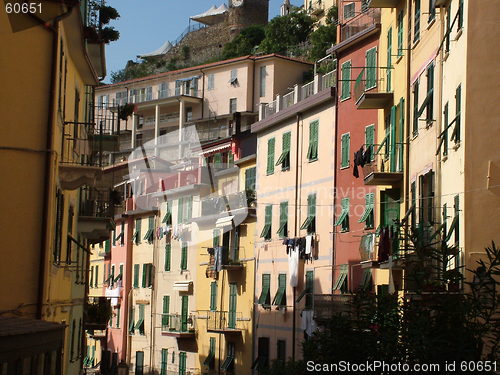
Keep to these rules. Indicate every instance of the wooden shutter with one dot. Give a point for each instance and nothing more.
(400, 33)
(389, 60)
(458, 110)
(184, 256)
(213, 296)
(166, 310)
(168, 256)
(139, 363)
(270, 155)
(345, 150)
(136, 275)
(216, 237)
(392, 140)
(233, 293)
(144, 275)
(180, 207)
(184, 313)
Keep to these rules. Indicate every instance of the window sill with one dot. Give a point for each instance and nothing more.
(312, 160)
(344, 231)
(346, 167)
(285, 169)
(344, 99)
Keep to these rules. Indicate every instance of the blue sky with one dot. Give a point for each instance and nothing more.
(145, 24)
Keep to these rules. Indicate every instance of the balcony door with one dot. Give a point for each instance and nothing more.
(233, 293)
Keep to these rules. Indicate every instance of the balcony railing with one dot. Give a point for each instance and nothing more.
(362, 21)
(386, 167)
(301, 92)
(373, 87)
(96, 203)
(329, 305)
(218, 205)
(225, 321)
(178, 325)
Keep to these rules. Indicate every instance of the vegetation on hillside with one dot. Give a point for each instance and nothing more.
(294, 34)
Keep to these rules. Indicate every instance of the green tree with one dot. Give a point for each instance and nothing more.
(245, 42)
(285, 32)
(321, 39)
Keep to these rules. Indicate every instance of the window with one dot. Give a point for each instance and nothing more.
(389, 60)
(150, 232)
(262, 361)
(250, 179)
(416, 21)
(448, 29)
(234, 77)
(345, 150)
(165, 318)
(139, 363)
(131, 321)
(367, 216)
(371, 68)
(164, 361)
(233, 105)
(400, 32)
(367, 280)
(140, 323)
(182, 363)
(346, 80)
(228, 363)
(265, 294)
(370, 139)
(263, 75)
(455, 136)
(147, 275)
(343, 219)
(280, 296)
(210, 84)
(213, 296)
(312, 152)
(415, 108)
(112, 280)
(167, 219)
(281, 351)
(266, 231)
(178, 85)
(136, 276)
(426, 200)
(137, 234)
(432, 11)
(96, 276)
(283, 229)
(184, 256)
(270, 155)
(341, 282)
(428, 103)
(284, 158)
(58, 226)
(349, 11)
(233, 295)
(168, 257)
(310, 223)
(118, 313)
(163, 90)
(210, 360)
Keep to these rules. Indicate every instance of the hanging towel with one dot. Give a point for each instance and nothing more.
(293, 266)
(308, 323)
(309, 242)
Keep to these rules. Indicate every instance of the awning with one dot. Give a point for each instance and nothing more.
(214, 150)
(212, 16)
(165, 47)
(224, 221)
(187, 79)
(183, 286)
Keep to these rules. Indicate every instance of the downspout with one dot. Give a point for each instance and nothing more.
(54, 28)
(438, 186)
(335, 132)
(202, 93)
(295, 231)
(153, 302)
(408, 108)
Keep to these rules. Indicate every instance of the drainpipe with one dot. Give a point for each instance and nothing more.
(295, 231)
(153, 302)
(335, 132)
(438, 186)
(49, 170)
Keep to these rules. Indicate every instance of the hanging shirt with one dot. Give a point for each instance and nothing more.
(293, 266)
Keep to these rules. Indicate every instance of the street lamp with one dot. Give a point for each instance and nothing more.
(122, 368)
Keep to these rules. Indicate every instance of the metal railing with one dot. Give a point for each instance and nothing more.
(385, 158)
(270, 109)
(96, 203)
(328, 80)
(328, 305)
(359, 23)
(220, 204)
(187, 30)
(307, 90)
(287, 100)
(373, 79)
(178, 323)
(224, 320)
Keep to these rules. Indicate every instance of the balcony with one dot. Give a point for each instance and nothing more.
(226, 322)
(300, 93)
(359, 23)
(97, 314)
(176, 325)
(386, 167)
(96, 214)
(221, 204)
(372, 89)
(328, 305)
(383, 3)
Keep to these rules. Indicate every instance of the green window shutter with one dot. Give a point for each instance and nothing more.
(216, 237)
(284, 158)
(218, 159)
(389, 60)
(250, 179)
(445, 132)
(346, 80)
(96, 276)
(345, 150)
(136, 275)
(460, 23)
(312, 152)
(392, 139)
(270, 155)
(182, 363)
(370, 138)
(184, 256)
(266, 231)
(164, 361)
(166, 310)
(118, 313)
(309, 289)
(400, 132)
(139, 363)
(400, 32)
(416, 31)
(213, 296)
(371, 68)
(458, 110)
(168, 256)
(189, 213)
(107, 246)
(180, 207)
(122, 235)
(184, 313)
(144, 275)
(265, 295)
(137, 234)
(415, 108)
(283, 229)
(233, 295)
(311, 213)
(131, 322)
(280, 297)
(430, 94)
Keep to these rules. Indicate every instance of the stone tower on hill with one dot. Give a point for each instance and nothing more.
(243, 13)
